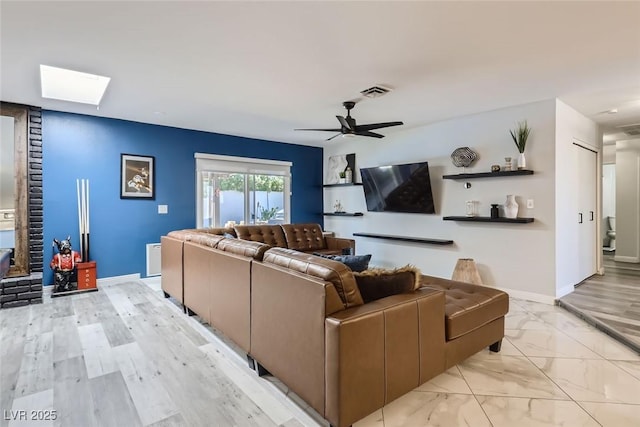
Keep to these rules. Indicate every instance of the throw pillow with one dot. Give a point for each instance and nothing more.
(229, 236)
(379, 283)
(354, 262)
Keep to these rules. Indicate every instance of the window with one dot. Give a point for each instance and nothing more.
(238, 190)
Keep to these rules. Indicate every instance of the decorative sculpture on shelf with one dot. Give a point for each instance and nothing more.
(463, 157)
(63, 264)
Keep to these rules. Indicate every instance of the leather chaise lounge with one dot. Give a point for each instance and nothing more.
(302, 318)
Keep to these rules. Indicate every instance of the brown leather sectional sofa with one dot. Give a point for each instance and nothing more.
(302, 318)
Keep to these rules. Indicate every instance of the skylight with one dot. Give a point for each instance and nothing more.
(74, 86)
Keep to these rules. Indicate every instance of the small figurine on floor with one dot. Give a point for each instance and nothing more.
(63, 264)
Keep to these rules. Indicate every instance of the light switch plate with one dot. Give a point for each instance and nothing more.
(529, 203)
(163, 209)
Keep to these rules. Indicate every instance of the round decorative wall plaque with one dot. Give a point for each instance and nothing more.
(463, 157)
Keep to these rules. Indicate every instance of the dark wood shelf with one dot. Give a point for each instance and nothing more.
(343, 214)
(406, 238)
(488, 174)
(488, 219)
(350, 184)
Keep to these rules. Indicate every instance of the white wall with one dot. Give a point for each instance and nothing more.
(608, 190)
(519, 258)
(628, 201)
(609, 154)
(571, 127)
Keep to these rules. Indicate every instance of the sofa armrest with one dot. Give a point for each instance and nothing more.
(288, 310)
(172, 269)
(380, 351)
(339, 243)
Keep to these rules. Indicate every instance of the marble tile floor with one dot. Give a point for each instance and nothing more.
(125, 356)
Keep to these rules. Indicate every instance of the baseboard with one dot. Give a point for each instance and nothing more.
(621, 258)
(118, 279)
(152, 279)
(530, 296)
(564, 291)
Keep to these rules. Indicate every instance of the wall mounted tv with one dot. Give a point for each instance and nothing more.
(398, 188)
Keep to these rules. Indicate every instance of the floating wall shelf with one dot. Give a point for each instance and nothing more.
(488, 174)
(406, 238)
(350, 184)
(488, 219)
(343, 214)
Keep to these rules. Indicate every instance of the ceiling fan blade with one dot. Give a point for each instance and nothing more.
(324, 130)
(334, 136)
(344, 122)
(371, 134)
(374, 126)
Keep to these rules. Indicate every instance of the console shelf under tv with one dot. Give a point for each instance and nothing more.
(405, 238)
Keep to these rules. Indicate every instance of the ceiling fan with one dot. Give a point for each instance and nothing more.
(348, 126)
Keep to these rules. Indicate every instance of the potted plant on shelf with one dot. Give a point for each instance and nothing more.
(520, 136)
(343, 177)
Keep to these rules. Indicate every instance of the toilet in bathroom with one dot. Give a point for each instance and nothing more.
(611, 233)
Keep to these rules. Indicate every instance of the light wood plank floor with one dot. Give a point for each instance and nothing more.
(124, 356)
(611, 301)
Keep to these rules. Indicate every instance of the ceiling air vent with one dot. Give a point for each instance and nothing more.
(375, 91)
(631, 130)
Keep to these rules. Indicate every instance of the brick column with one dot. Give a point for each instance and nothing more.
(18, 291)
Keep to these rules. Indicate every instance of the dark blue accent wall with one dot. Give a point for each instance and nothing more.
(77, 146)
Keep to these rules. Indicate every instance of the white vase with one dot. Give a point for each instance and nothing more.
(348, 175)
(511, 207)
(522, 162)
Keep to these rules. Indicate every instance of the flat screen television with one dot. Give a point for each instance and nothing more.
(398, 188)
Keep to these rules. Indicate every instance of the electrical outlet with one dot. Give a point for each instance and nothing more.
(529, 203)
(163, 209)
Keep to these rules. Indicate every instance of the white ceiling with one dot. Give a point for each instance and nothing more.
(261, 69)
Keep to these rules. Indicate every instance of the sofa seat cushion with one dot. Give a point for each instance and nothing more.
(468, 306)
(304, 237)
(272, 235)
(255, 250)
(378, 283)
(326, 269)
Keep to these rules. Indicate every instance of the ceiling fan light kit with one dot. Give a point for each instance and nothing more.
(349, 127)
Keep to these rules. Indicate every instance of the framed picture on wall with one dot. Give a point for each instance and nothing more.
(137, 177)
(337, 164)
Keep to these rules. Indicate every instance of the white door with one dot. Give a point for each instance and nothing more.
(586, 215)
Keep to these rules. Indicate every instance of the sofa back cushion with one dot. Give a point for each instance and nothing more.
(328, 270)
(272, 235)
(246, 248)
(184, 235)
(218, 230)
(304, 237)
(205, 239)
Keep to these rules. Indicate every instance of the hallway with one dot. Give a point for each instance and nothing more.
(611, 302)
